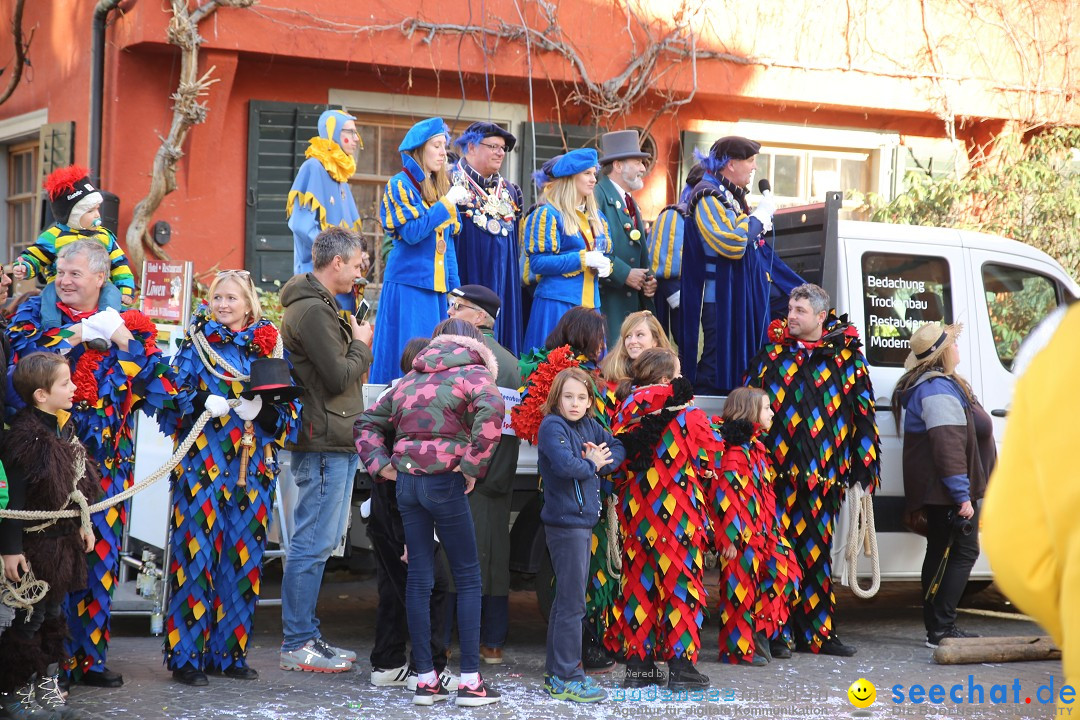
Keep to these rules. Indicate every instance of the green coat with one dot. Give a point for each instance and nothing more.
(490, 501)
(616, 299)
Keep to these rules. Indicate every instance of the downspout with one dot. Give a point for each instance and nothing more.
(97, 84)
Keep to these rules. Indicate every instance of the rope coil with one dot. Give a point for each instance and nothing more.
(861, 533)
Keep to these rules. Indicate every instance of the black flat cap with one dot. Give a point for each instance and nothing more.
(735, 147)
(480, 296)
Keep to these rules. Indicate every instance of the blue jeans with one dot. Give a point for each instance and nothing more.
(324, 483)
(570, 551)
(430, 504)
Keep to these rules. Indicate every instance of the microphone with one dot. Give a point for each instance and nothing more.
(764, 187)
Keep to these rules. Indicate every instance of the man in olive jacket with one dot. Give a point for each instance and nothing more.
(330, 355)
(490, 504)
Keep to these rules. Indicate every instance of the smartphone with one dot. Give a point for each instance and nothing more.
(363, 311)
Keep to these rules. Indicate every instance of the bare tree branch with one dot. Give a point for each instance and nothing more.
(22, 49)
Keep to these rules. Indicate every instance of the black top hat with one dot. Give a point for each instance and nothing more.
(271, 379)
(621, 145)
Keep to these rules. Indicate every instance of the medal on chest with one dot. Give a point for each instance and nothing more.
(492, 210)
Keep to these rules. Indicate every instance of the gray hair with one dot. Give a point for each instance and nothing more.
(97, 257)
(335, 242)
(819, 299)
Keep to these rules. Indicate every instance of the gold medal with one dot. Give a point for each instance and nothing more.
(440, 246)
(635, 234)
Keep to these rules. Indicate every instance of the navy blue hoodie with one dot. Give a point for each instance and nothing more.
(571, 484)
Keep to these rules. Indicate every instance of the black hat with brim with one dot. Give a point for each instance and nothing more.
(272, 381)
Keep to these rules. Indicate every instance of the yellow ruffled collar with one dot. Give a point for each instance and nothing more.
(340, 166)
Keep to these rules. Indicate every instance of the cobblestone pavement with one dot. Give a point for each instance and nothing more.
(887, 630)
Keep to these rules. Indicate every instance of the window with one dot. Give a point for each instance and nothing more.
(1018, 299)
(22, 163)
(900, 294)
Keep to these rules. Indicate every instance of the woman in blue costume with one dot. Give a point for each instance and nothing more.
(419, 212)
(220, 514)
(566, 239)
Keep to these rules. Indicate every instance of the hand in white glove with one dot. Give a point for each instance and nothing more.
(248, 409)
(90, 333)
(456, 195)
(765, 211)
(217, 405)
(606, 269)
(102, 325)
(595, 259)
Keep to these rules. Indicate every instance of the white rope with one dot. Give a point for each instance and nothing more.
(614, 542)
(210, 357)
(25, 593)
(861, 535)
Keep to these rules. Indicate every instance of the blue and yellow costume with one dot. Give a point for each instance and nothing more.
(422, 265)
(111, 387)
(218, 528)
(40, 258)
(320, 196)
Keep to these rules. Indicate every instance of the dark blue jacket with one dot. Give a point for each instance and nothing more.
(571, 484)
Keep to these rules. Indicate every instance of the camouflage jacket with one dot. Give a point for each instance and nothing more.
(445, 415)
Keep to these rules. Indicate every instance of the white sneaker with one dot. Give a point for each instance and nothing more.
(448, 680)
(312, 658)
(394, 677)
(347, 655)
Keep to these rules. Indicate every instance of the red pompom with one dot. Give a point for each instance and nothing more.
(264, 338)
(63, 180)
(778, 330)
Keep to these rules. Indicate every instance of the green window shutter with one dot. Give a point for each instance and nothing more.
(551, 140)
(57, 142)
(278, 135)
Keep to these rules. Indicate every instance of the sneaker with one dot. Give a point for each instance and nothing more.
(429, 694)
(477, 696)
(491, 655)
(310, 658)
(933, 639)
(683, 675)
(448, 679)
(642, 673)
(595, 660)
(326, 647)
(48, 695)
(394, 677)
(21, 705)
(579, 691)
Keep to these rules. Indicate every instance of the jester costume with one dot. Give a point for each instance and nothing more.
(218, 525)
(539, 369)
(665, 521)
(758, 586)
(111, 386)
(824, 439)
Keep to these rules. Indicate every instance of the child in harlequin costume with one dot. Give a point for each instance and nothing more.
(758, 573)
(420, 215)
(223, 492)
(76, 206)
(46, 465)
(824, 439)
(576, 341)
(320, 196)
(664, 516)
(574, 449)
(564, 245)
(112, 385)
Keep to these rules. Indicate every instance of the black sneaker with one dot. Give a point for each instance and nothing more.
(642, 673)
(594, 660)
(933, 639)
(779, 649)
(477, 696)
(833, 646)
(682, 675)
(429, 694)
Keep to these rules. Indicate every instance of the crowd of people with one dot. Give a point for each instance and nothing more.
(639, 485)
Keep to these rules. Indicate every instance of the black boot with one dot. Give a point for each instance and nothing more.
(642, 673)
(593, 658)
(779, 649)
(682, 675)
(761, 646)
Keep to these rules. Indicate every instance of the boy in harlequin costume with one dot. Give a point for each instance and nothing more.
(664, 516)
(76, 206)
(220, 515)
(320, 196)
(112, 385)
(759, 576)
(824, 439)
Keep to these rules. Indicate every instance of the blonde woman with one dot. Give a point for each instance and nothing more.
(419, 213)
(640, 331)
(566, 241)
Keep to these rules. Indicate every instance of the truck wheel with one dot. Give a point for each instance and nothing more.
(545, 585)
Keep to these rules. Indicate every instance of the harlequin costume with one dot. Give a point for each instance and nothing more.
(112, 386)
(487, 246)
(320, 196)
(759, 585)
(664, 516)
(824, 439)
(44, 462)
(421, 267)
(219, 526)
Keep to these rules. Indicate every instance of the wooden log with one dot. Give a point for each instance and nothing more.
(957, 651)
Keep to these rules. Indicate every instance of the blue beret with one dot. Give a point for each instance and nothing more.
(573, 162)
(330, 124)
(423, 131)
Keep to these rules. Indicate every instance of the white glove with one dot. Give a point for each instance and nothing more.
(764, 211)
(90, 333)
(674, 298)
(102, 324)
(248, 409)
(595, 259)
(606, 270)
(217, 405)
(456, 195)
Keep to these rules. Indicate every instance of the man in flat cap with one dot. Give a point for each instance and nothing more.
(729, 273)
(490, 503)
(631, 285)
(487, 247)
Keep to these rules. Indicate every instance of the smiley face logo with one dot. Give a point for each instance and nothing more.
(862, 693)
